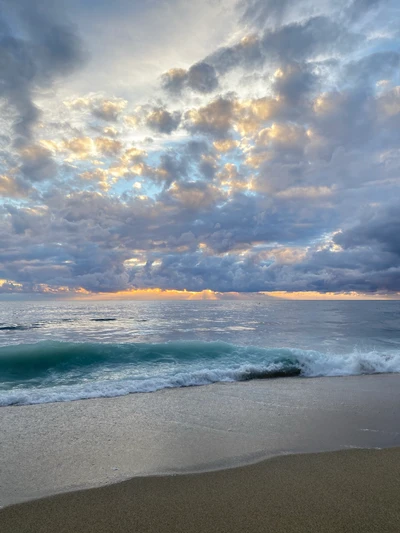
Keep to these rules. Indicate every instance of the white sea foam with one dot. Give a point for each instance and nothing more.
(241, 363)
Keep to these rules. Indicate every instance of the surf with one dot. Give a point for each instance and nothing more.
(52, 371)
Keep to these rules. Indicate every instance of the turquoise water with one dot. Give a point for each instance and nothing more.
(72, 350)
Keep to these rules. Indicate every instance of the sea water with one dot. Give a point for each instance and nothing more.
(61, 351)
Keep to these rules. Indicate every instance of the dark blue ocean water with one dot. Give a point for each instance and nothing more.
(60, 351)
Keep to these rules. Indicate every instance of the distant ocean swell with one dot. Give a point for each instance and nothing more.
(59, 371)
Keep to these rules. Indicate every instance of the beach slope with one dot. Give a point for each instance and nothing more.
(346, 491)
(54, 448)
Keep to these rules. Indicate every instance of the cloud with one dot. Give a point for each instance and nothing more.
(194, 195)
(107, 147)
(81, 147)
(295, 42)
(225, 145)
(273, 163)
(215, 118)
(162, 121)
(109, 110)
(174, 80)
(42, 49)
(99, 176)
(201, 239)
(261, 12)
(290, 47)
(37, 163)
(105, 109)
(389, 103)
(372, 68)
(11, 187)
(200, 77)
(294, 82)
(274, 13)
(378, 228)
(359, 8)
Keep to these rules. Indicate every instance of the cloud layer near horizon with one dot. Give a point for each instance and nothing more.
(264, 159)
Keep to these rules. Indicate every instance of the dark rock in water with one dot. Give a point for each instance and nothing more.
(269, 374)
(103, 319)
(19, 327)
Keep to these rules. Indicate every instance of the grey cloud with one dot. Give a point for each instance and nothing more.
(163, 121)
(14, 187)
(196, 160)
(42, 49)
(208, 168)
(311, 156)
(359, 8)
(296, 82)
(347, 118)
(200, 77)
(261, 12)
(372, 68)
(97, 269)
(367, 260)
(37, 163)
(200, 153)
(108, 111)
(379, 227)
(365, 265)
(215, 118)
(175, 166)
(187, 163)
(316, 35)
(174, 80)
(193, 195)
(90, 237)
(293, 42)
(196, 148)
(25, 221)
(193, 159)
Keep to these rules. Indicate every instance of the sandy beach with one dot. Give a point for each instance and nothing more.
(243, 455)
(52, 448)
(347, 491)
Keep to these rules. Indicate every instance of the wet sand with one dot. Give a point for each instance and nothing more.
(52, 448)
(347, 491)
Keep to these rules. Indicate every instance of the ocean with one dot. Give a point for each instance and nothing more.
(61, 351)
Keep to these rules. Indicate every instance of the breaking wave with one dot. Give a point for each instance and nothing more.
(62, 371)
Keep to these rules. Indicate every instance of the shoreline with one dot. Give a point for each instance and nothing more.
(327, 492)
(92, 443)
(241, 462)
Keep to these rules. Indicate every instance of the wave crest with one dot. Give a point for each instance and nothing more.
(58, 371)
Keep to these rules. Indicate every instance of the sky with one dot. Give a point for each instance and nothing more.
(202, 149)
